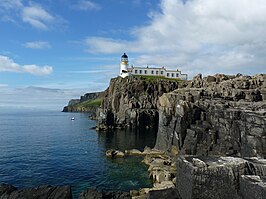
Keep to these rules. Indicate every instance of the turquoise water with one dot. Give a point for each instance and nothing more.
(39, 148)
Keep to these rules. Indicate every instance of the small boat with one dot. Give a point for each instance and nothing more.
(72, 118)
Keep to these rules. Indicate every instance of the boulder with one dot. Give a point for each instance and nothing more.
(112, 153)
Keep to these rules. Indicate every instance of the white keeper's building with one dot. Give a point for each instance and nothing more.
(125, 70)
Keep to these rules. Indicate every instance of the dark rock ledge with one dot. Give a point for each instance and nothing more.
(56, 192)
(41, 192)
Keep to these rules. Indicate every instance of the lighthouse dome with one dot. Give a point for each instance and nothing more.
(124, 56)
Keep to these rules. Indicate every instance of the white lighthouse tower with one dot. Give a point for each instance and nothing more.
(124, 72)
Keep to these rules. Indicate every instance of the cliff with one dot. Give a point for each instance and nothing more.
(89, 102)
(132, 101)
(215, 115)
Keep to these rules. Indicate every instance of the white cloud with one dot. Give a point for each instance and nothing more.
(199, 36)
(8, 65)
(87, 5)
(37, 45)
(31, 13)
(7, 4)
(37, 97)
(36, 16)
(3, 85)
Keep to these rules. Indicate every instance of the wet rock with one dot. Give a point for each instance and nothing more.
(112, 153)
(133, 152)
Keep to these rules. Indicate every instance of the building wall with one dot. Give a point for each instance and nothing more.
(158, 72)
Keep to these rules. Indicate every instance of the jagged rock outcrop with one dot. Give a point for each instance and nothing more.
(220, 177)
(41, 192)
(132, 101)
(215, 115)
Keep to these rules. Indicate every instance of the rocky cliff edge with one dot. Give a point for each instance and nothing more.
(215, 115)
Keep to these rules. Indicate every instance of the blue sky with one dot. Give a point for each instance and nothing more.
(54, 50)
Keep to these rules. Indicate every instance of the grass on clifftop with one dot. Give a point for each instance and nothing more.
(90, 103)
(149, 77)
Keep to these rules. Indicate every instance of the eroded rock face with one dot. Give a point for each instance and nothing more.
(219, 177)
(132, 101)
(216, 115)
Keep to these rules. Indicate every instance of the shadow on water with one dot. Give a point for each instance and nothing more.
(123, 139)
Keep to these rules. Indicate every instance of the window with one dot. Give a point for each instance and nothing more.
(167, 74)
(136, 71)
(177, 75)
(152, 72)
(161, 72)
(157, 72)
(173, 74)
(145, 71)
(140, 71)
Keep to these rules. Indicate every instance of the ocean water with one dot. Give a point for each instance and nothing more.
(39, 148)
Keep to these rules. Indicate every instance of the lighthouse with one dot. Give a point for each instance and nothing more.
(124, 70)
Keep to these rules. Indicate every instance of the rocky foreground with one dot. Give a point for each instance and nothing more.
(212, 128)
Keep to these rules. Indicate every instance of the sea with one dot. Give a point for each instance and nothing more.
(47, 147)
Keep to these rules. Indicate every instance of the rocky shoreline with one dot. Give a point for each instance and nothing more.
(211, 140)
(214, 128)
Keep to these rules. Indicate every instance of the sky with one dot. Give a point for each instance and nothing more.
(55, 50)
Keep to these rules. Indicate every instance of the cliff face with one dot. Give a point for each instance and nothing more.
(217, 115)
(133, 101)
(89, 102)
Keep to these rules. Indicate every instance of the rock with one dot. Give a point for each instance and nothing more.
(6, 190)
(164, 185)
(132, 102)
(133, 152)
(92, 193)
(153, 152)
(41, 192)
(252, 187)
(83, 105)
(174, 151)
(198, 163)
(170, 193)
(220, 177)
(112, 153)
(210, 79)
(225, 117)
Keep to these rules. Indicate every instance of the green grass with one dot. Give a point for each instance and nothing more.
(150, 77)
(90, 103)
